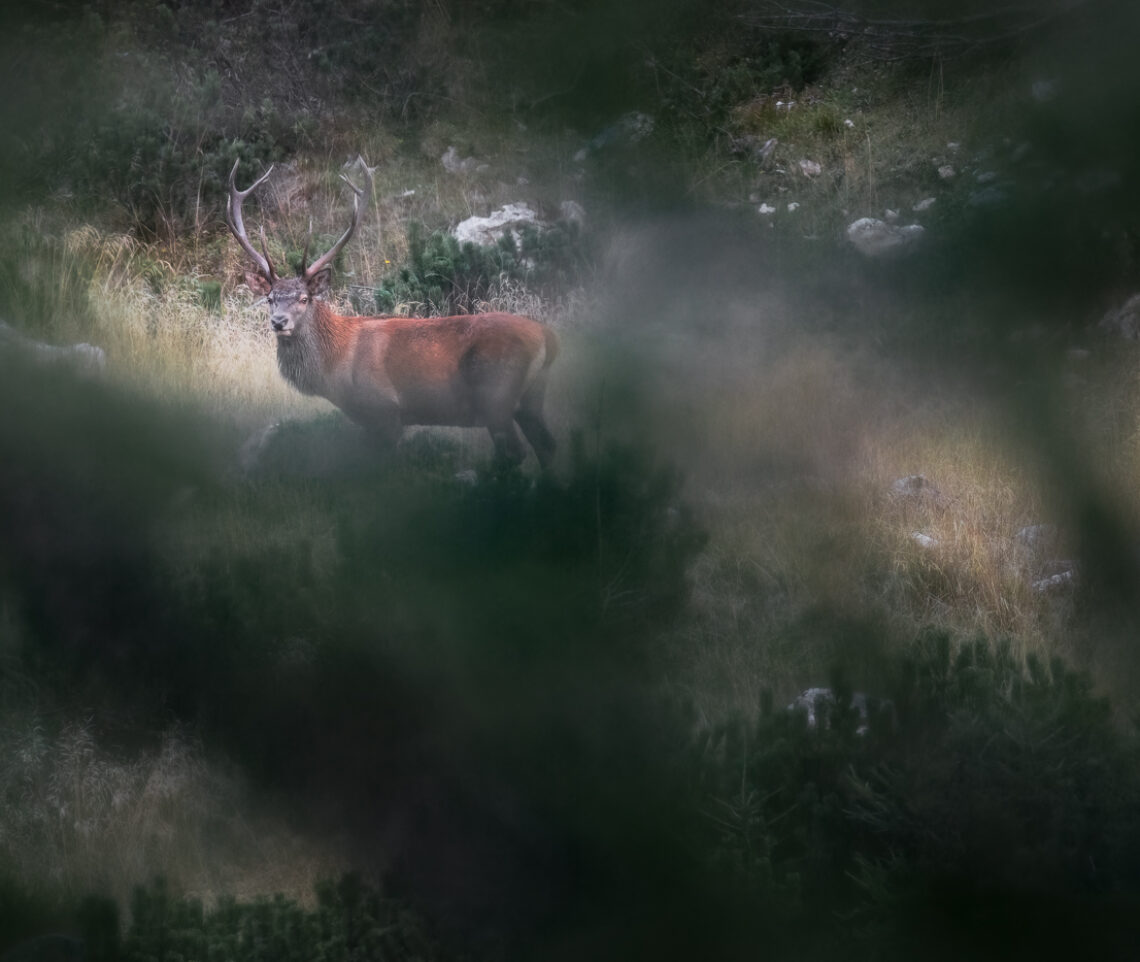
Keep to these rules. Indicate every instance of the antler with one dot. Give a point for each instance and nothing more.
(237, 226)
(327, 258)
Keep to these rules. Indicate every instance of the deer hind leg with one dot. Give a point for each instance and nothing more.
(508, 445)
(530, 419)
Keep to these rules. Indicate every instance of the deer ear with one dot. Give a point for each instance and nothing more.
(258, 283)
(319, 282)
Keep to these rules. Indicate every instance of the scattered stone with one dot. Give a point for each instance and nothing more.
(766, 209)
(751, 145)
(986, 177)
(1058, 576)
(916, 487)
(468, 477)
(454, 164)
(849, 123)
(1038, 536)
(785, 104)
(876, 238)
(923, 540)
(487, 231)
(809, 168)
(572, 212)
(953, 146)
(818, 703)
(82, 358)
(522, 181)
(947, 172)
(1044, 90)
(925, 204)
(891, 216)
(990, 196)
(627, 130)
(793, 207)
(1123, 321)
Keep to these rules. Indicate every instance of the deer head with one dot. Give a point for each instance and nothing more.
(290, 298)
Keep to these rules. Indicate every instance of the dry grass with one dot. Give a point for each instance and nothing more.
(815, 562)
(76, 818)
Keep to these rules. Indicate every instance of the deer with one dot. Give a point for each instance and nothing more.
(386, 373)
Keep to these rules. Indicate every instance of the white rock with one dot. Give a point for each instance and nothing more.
(876, 238)
(1038, 536)
(809, 168)
(766, 209)
(947, 172)
(891, 216)
(923, 540)
(849, 123)
(793, 207)
(453, 164)
(986, 177)
(486, 231)
(988, 196)
(628, 129)
(915, 487)
(572, 211)
(1124, 321)
(1064, 579)
(82, 358)
(816, 703)
(925, 204)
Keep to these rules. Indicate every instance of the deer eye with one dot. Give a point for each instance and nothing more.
(304, 298)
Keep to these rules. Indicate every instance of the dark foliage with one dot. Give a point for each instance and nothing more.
(351, 921)
(443, 276)
(987, 812)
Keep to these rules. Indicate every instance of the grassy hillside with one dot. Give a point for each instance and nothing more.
(537, 715)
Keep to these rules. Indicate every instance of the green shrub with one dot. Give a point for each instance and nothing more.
(991, 788)
(443, 276)
(350, 922)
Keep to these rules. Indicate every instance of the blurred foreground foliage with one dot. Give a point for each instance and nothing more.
(986, 809)
(350, 921)
(460, 677)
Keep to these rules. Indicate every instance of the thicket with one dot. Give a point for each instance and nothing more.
(351, 921)
(443, 276)
(986, 809)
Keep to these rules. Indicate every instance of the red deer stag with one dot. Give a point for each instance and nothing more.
(487, 370)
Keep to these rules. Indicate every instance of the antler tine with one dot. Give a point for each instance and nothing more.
(305, 252)
(323, 261)
(237, 225)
